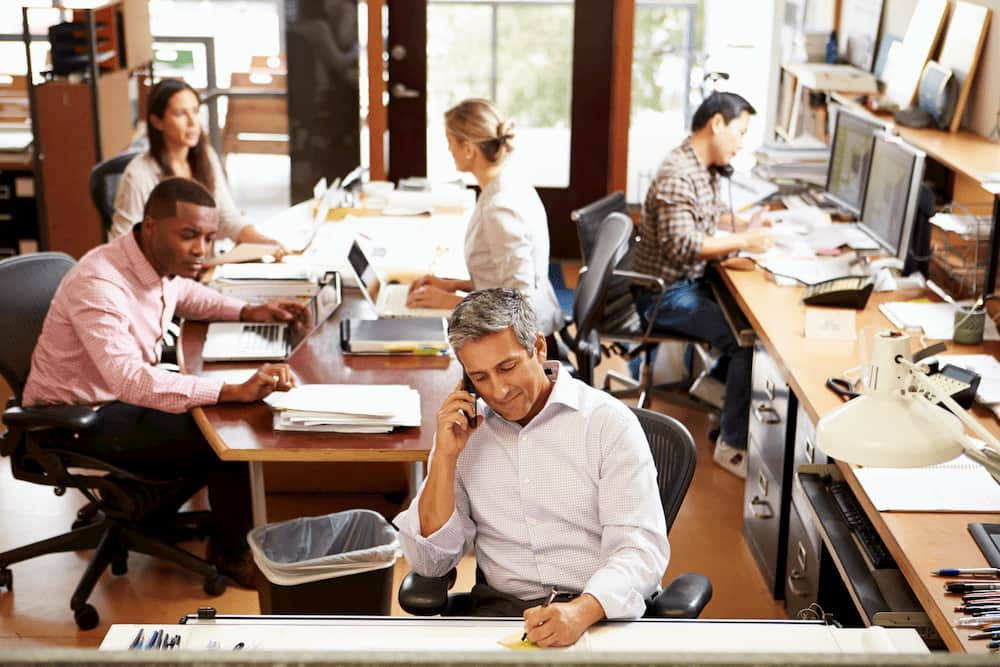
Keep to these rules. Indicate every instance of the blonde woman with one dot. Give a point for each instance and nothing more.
(507, 240)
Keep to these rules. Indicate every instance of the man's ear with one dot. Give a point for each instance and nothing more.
(717, 123)
(541, 348)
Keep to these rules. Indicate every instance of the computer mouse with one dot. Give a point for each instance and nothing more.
(392, 281)
(739, 264)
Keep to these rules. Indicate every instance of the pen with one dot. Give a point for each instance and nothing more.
(985, 635)
(969, 586)
(159, 640)
(136, 641)
(152, 639)
(992, 572)
(548, 601)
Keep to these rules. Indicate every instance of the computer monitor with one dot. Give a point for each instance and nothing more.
(890, 204)
(850, 155)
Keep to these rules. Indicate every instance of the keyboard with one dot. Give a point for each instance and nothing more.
(394, 300)
(263, 339)
(861, 527)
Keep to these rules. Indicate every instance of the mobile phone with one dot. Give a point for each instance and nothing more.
(469, 387)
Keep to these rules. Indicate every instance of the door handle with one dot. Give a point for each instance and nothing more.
(761, 509)
(401, 92)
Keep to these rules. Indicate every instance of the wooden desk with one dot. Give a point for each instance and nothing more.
(243, 432)
(919, 542)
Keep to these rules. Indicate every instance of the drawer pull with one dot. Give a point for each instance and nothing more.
(800, 556)
(761, 509)
(810, 451)
(794, 576)
(762, 483)
(765, 414)
(769, 389)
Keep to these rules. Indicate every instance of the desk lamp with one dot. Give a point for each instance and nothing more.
(897, 422)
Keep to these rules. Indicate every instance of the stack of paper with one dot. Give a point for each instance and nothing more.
(345, 408)
(259, 282)
(803, 161)
(960, 485)
(937, 320)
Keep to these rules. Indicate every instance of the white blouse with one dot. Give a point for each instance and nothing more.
(143, 174)
(507, 245)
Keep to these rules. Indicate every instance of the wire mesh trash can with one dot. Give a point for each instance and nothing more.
(340, 563)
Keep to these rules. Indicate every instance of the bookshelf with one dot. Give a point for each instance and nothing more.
(85, 117)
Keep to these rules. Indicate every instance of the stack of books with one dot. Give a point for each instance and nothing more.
(345, 408)
(261, 282)
(798, 160)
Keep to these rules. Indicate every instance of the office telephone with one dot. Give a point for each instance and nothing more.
(845, 292)
(959, 383)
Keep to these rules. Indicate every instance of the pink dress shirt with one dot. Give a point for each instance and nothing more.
(103, 334)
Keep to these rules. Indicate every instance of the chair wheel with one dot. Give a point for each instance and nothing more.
(215, 585)
(7, 579)
(86, 617)
(119, 566)
(713, 434)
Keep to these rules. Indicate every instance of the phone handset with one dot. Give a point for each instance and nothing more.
(471, 388)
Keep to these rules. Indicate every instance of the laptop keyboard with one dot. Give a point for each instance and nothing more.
(394, 300)
(264, 339)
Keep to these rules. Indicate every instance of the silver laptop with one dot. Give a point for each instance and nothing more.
(389, 299)
(270, 341)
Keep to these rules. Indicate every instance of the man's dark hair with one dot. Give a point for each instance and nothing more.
(162, 202)
(730, 105)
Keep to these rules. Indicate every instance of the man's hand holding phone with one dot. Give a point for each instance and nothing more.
(456, 420)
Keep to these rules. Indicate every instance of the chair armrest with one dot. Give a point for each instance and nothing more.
(684, 597)
(425, 596)
(651, 282)
(76, 418)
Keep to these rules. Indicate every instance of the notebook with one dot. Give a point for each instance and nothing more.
(270, 341)
(415, 335)
(388, 299)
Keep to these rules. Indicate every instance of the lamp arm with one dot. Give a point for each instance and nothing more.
(988, 458)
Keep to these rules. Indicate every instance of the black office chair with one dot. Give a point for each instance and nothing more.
(623, 326)
(674, 456)
(39, 443)
(104, 179)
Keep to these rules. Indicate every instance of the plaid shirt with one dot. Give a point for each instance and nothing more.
(682, 207)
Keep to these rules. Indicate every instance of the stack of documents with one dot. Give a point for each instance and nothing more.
(345, 408)
(260, 282)
(937, 320)
(805, 161)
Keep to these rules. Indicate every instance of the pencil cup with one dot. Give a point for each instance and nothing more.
(969, 323)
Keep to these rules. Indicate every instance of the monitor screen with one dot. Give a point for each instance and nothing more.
(891, 196)
(850, 155)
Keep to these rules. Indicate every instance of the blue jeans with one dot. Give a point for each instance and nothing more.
(687, 308)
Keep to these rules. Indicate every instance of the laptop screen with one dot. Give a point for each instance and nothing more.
(368, 278)
(317, 311)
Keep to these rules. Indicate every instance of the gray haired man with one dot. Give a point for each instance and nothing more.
(553, 486)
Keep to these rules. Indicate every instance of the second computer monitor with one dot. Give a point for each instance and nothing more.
(850, 155)
(890, 203)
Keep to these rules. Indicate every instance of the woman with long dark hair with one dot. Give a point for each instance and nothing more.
(177, 147)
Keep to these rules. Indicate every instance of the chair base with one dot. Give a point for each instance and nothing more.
(112, 540)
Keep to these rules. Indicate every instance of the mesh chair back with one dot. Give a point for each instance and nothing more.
(104, 180)
(674, 455)
(589, 219)
(619, 314)
(27, 285)
(611, 240)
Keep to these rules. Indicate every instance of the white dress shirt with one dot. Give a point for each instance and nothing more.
(507, 245)
(570, 501)
(143, 174)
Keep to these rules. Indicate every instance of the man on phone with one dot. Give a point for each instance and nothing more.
(101, 343)
(554, 485)
(677, 239)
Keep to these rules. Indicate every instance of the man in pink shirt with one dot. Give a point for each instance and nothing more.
(102, 340)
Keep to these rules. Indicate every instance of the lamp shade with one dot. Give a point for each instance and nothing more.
(890, 430)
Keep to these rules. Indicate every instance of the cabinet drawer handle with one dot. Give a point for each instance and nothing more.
(794, 576)
(766, 414)
(800, 557)
(769, 389)
(810, 451)
(762, 483)
(761, 509)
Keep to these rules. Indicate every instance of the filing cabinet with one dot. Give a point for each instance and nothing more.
(769, 454)
(18, 216)
(802, 562)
